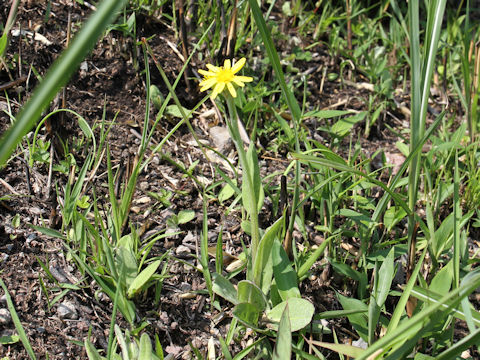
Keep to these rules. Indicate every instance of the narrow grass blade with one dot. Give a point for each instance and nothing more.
(468, 341)
(16, 321)
(405, 295)
(58, 75)
(410, 331)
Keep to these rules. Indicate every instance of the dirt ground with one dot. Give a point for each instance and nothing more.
(109, 80)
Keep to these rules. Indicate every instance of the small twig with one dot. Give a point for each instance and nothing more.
(13, 83)
(184, 38)
(8, 187)
(27, 176)
(50, 172)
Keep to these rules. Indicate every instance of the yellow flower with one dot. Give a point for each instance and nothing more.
(220, 77)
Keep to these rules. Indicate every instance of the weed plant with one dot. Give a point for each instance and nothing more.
(397, 243)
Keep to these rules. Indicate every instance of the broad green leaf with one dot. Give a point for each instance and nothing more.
(359, 218)
(392, 216)
(442, 281)
(247, 313)
(126, 259)
(358, 321)
(285, 276)
(385, 277)
(301, 313)
(347, 270)
(226, 193)
(248, 292)
(344, 125)
(224, 288)
(326, 114)
(9, 339)
(143, 278)
(185, 216)
(283, 346)
(347, 350)
(173, 110)
(145, 351)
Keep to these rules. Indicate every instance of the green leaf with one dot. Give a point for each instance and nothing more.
(283, 346)
(285, 276)
(248, 292)
(254, 172)
(226, 193)
(126, 259)
(224, 288)
(262, 269)
(143, 278)
(385, 277)
(305, 267)
(347, 350)
(16, 321)
(59, 74)
(301, 313)
(246, 313)
(358, 321)
(344, 125)
(185, 216)
(326, 114)
(3, 42)
(173, 110)
(9, 339)
(442, 281)
(92, 352)
(145, 351)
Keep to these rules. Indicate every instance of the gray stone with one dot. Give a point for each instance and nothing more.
(67, 311)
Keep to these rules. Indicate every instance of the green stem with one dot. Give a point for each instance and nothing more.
(232, 122)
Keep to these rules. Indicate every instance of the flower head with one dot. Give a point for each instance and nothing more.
(220, 77)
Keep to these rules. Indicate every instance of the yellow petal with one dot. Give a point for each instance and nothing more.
(207, 84)
(217, 90)
(243, 78)
(206, 73)
(227, 64)
(231, 89)
(238, 65)
(212, 68)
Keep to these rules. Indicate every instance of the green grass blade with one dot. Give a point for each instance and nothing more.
(468, 341)
(58, 75)
(409, 331)
(405, 295)
(16, 321)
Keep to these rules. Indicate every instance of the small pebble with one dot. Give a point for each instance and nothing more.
(182, 249)
(67, 310)
(5, 317)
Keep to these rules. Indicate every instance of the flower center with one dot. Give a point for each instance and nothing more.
(225, 76)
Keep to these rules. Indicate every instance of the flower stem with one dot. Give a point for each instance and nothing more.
(248, 180)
